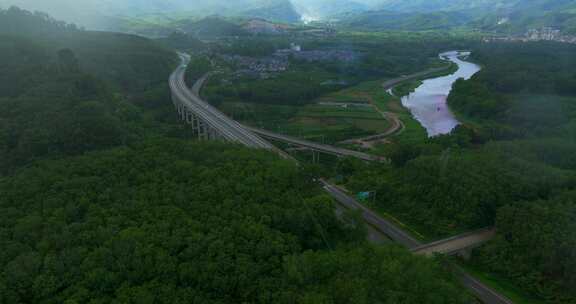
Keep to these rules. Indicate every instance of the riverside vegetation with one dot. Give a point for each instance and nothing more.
(510, 165)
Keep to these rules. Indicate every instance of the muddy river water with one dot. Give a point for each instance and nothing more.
(428, 102)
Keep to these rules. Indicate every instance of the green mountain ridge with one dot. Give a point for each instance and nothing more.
(513, 17)
(560, 14)
(388, 20)
(277, 10)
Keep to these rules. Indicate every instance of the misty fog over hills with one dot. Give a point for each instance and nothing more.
(367, 14)
(94, 13)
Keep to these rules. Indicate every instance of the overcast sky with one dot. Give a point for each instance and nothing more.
(88, 11)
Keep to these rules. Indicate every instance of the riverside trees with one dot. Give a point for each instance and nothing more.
(511, 165)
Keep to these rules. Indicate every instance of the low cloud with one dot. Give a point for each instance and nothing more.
(92, 12)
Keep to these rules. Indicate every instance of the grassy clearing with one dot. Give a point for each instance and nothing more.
(362, 93)
(339, 111)
(322, 123)
(413, 131)
(373, 92)
(406, 88)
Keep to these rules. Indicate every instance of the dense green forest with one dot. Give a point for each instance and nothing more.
(404, 21)
(171, 222)
(101, 203)
(511, 165)
(65, 91)
(130, 62)
(535, 86)
(525, 91)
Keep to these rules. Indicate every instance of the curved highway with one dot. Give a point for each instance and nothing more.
(226, 127)
(289, 139)
(316, 146)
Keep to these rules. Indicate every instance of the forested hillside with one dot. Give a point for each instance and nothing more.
(526, 90)
(535, 85)
(526, 14)
(389, 20)
(511, 17)
(170, 222)
(130, 62)
(65, 91)
(511, 165)
(99, 205)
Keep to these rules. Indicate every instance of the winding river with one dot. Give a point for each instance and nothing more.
(428, 102)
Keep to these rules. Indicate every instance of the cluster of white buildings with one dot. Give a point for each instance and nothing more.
(295, 51)
(545, 33)
(540, 34)
(280, 61)
(256, 67)
(260, 26)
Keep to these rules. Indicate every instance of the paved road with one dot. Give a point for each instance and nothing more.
(455, 244)
(372, 218)
(297, 141)
(484, 293)
(316, 146)
(227, 127)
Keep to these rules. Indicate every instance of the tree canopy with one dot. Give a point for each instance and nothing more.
(174, 222)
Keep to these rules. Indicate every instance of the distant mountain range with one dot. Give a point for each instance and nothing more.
(97, 13)
(499, 15)
(390, 20)
(211, 27)
(526, 14)
(279, 10)
(427, 6)
(313, 10)
(512, 16)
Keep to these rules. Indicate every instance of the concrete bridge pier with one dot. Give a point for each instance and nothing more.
(205, 131)
(174, 100)
(182, 111)
(189, 118)
(315, 157)
(214, 135)
(194, 121)
(202, 130)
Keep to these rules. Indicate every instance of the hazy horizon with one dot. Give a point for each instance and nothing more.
(89, 12)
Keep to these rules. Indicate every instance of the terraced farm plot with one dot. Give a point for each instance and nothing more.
(373, 93)
(328, 123)
(359, 94)
(329, 111)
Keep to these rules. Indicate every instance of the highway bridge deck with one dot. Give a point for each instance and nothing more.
(316, 146)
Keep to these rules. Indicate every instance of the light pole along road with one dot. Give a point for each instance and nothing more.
(186, 100)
